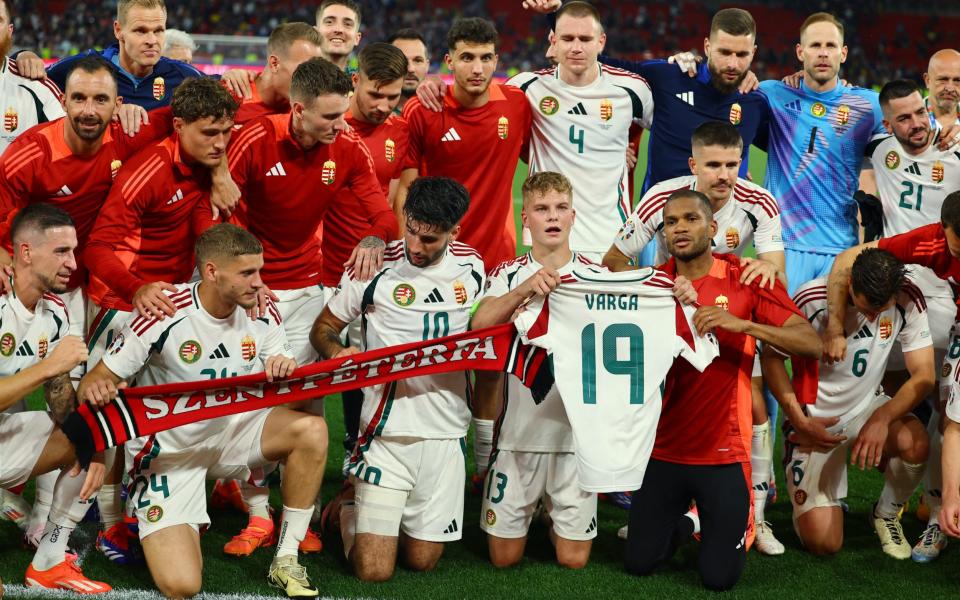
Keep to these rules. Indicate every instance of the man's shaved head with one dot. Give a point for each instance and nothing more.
(943, 80)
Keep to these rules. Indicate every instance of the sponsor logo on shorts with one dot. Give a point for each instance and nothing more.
(154, 514)
(7, 344)
(248, 348)
(159, 88)
(843, 114)
(945, 370)
(800, 497)
(736, 114)
(460, 292)
(404, 294)
(892, 159)
(722, 302)
(42, 345)
(190, 351)
(606, 109)
(10, 119)
(329, 173)
(491, 517)
(733, 237)
(549, 105)
(503, 128)
(818, 109)
(885, 328)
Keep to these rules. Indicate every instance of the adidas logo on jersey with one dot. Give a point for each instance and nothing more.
(913, 169)
(796, 105)
(863, 333)
(577, 110)
(64, 191)
(452, 527)
(451, 136)
(219, 352)
(276, 171)
(25, 350)
(434, 297)
(176, 197)
(686, 97)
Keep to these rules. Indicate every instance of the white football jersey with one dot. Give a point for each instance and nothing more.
(523, 425)
(583, 133)
(403, 304)
(847, 387)
(24, 102)
(193, 345)
(950, 375)
(912, 189)
(27, 337)
(612, 338)
(751, 215)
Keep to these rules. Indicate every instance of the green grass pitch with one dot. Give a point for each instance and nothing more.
(861, 570)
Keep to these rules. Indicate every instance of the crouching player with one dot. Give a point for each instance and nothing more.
(851, 412)
(35, 350)
(408, 466)
(211, 336)
(533, 457)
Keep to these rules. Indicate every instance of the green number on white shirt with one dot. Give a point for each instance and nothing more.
(632, 365)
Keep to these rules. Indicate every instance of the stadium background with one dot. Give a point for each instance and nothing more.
(887, 39)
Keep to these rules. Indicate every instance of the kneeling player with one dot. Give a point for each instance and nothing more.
(35, 350)
(408, 466)
(533, 456)
(211, 336)
(851, 413)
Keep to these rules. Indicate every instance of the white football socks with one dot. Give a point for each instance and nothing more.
(761, 455)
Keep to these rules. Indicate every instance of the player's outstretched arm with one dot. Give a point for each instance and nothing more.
(99, 386)
(70, 352)
(834, 338)
(950, 461)
(494, 310)
(796, 336)
(224, 191)
(810, 431)
(615, 260)
(407, 177)
(30, 65)
(325, 336)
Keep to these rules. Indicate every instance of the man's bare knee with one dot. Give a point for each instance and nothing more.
(573, 554)
(371, 570)
(419, 555)
(178, 587)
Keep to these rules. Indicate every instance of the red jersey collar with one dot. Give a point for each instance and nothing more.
(495, 95)
(721, 264)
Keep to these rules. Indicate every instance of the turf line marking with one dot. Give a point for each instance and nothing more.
(19, 591)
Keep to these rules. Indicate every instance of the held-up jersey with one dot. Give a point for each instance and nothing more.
(815, 150)
(523, 425)
(25, 102)
(478, 147)
(613, 337)
(912, 189)
(925, 246)
(193, 345)
(750, 215)
(343, 227)
(402, 304)
(583, 133)
(847, 387)
(27, 337)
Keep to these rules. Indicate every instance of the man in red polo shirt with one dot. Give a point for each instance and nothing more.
(702, 449)
(476, 140)
(291, 170)
(377, 86)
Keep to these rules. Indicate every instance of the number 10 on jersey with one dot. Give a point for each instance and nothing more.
(621, 353)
